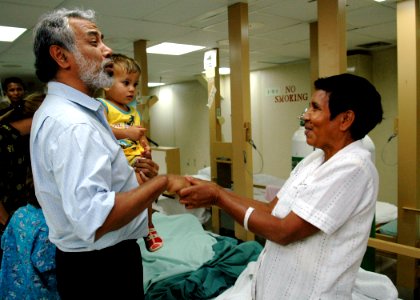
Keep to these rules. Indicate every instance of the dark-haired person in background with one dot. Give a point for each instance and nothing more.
(15, 164)
(28, 264)
(14, 90)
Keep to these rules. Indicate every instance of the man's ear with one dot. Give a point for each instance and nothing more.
(60, 55)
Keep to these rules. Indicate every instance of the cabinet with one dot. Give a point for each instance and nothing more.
(168, 159)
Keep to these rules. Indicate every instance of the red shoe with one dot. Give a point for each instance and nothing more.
(153, 241)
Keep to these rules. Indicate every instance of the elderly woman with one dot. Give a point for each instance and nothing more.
(318, 225)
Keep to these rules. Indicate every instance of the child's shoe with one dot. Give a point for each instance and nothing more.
(153, 241)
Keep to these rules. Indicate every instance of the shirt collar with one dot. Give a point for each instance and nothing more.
(73, 95)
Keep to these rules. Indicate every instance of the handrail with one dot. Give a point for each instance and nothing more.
(411, 209)
(394, 247)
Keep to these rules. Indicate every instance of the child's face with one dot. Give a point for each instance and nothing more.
(123, 91)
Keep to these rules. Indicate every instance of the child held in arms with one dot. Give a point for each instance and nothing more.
(125, 122)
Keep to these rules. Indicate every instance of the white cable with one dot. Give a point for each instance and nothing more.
(248, 213)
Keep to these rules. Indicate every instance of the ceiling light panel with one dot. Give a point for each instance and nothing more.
(173, 49)
(9, 34)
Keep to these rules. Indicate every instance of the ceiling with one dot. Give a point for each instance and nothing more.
(278, 30)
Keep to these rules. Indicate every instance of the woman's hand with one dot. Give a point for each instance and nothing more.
(201, 193)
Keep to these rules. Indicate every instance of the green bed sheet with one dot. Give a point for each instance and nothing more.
(193, 264)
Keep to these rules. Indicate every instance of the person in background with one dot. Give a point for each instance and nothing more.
(15, 164)
(317, 227)
(14, 90)
(125, 122)
(93, 205)
(28, 265)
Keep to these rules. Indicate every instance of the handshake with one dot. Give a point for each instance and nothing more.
(193, 192)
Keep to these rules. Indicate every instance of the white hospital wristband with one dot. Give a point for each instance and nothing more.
(248, 213)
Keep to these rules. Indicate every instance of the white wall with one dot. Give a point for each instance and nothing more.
(385, 80)
(180, 118)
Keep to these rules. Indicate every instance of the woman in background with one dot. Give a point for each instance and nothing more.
(28, 264)
(15, 163)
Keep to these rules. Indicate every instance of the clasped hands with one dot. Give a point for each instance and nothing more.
(193, 192)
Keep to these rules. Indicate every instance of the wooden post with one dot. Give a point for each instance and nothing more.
(313, 41)
(332, 37)
(213, 87)
(241, 112)
(140, 55)
(408, 21)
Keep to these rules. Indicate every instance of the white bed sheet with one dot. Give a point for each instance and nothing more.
(368, 286)
(385, 212)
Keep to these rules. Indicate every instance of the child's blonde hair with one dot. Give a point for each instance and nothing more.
(126, 63)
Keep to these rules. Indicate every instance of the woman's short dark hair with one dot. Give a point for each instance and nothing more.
(53, 29)
(355, 93)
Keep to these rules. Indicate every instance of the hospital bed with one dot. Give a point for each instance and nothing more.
(386, 221)
(197, 264)
(193, 263)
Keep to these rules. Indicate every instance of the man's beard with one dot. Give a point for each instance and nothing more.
(93, 77)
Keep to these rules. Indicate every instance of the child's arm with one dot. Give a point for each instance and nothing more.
(135, 133)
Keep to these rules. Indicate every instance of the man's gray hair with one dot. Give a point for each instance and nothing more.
(53, 29)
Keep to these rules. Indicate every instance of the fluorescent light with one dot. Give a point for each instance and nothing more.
(173, 49)
(9, 34)
(379, 0)
(153, 84)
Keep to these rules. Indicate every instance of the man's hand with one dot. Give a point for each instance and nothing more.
(146, 167)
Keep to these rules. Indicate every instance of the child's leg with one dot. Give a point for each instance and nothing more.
(153, 241)
(149, 214)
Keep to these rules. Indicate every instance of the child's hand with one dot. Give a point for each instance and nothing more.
(135, 133)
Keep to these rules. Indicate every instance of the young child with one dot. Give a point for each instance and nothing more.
(124, 120)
